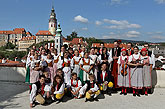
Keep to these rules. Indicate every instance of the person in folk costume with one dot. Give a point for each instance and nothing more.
(105, 79)
(90, 89)
(35, 69)
(123, 72)
(79, 47)
(43, 55)
(37, 91)
(40, 50)
(129, 49)
(66, 67)
(74, 86)
(71, 46)
(136, 75)
(150, 54)
(46, 49)
(95, 59)
(75, 62)
(48, 86)
(49, 68)
(62, 52)
(56, 59)
(147, 68)
(71, 53)
(58, 89)
(83, 51)
(86, 65)
(114, 54)
(105, 57)
(35, 50)
(96, 52)
(101, 48)
(28, 64)
(60, 73)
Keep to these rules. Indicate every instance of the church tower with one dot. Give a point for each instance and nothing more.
(58, 38)
(52, 22)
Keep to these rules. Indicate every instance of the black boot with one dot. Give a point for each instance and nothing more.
(109, 92)
(96, 99)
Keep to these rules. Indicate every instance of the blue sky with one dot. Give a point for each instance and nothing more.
(122, 19)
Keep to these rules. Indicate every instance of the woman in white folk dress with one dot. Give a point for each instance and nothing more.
(75, 62)
(86, 64)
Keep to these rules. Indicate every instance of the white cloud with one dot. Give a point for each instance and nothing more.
(115, 22)
(85, 28)
(98, 22)
(160, 1)
(158, 38)
(120, 24)
(132, 34)
(116, 2)
(126, 35)
(155, 33)
(81, 19)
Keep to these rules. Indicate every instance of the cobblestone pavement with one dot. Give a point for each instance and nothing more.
(15, 95)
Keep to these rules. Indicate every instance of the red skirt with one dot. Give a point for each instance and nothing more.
(115, 72)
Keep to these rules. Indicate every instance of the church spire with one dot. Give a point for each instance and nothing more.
(52, 22)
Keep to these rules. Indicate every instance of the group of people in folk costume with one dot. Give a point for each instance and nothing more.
(78, 73)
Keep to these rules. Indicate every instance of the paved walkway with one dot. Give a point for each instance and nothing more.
(18, 98)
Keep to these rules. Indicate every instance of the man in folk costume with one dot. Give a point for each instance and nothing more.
(123, 72)
(49, 68)
(71, 53)
(105, 79)
(136, 75)
(86, 65)
(74, 86)
(147, 68)
(62, 52)
(150, 54)
(35, 69)
(65, 64)
(101, 48)
(129, 49)
(94, 58)
(75, 62)
(37, 92)
(115, 53)
(91, 89)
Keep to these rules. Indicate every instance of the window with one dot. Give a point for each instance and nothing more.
(57, 41)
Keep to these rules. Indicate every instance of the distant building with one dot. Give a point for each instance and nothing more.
(108, 45)
(44, 35)
(52, 22)
(74, 42)
(26, 42)
(12, 36)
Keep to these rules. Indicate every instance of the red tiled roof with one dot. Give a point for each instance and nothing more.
(10, 63)
(43, 32)
(28, 38)
(96, 45)
(108, 45)
(75, 41)
(19, 29)
(6, 32)
(15, 31)
(28, 33)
